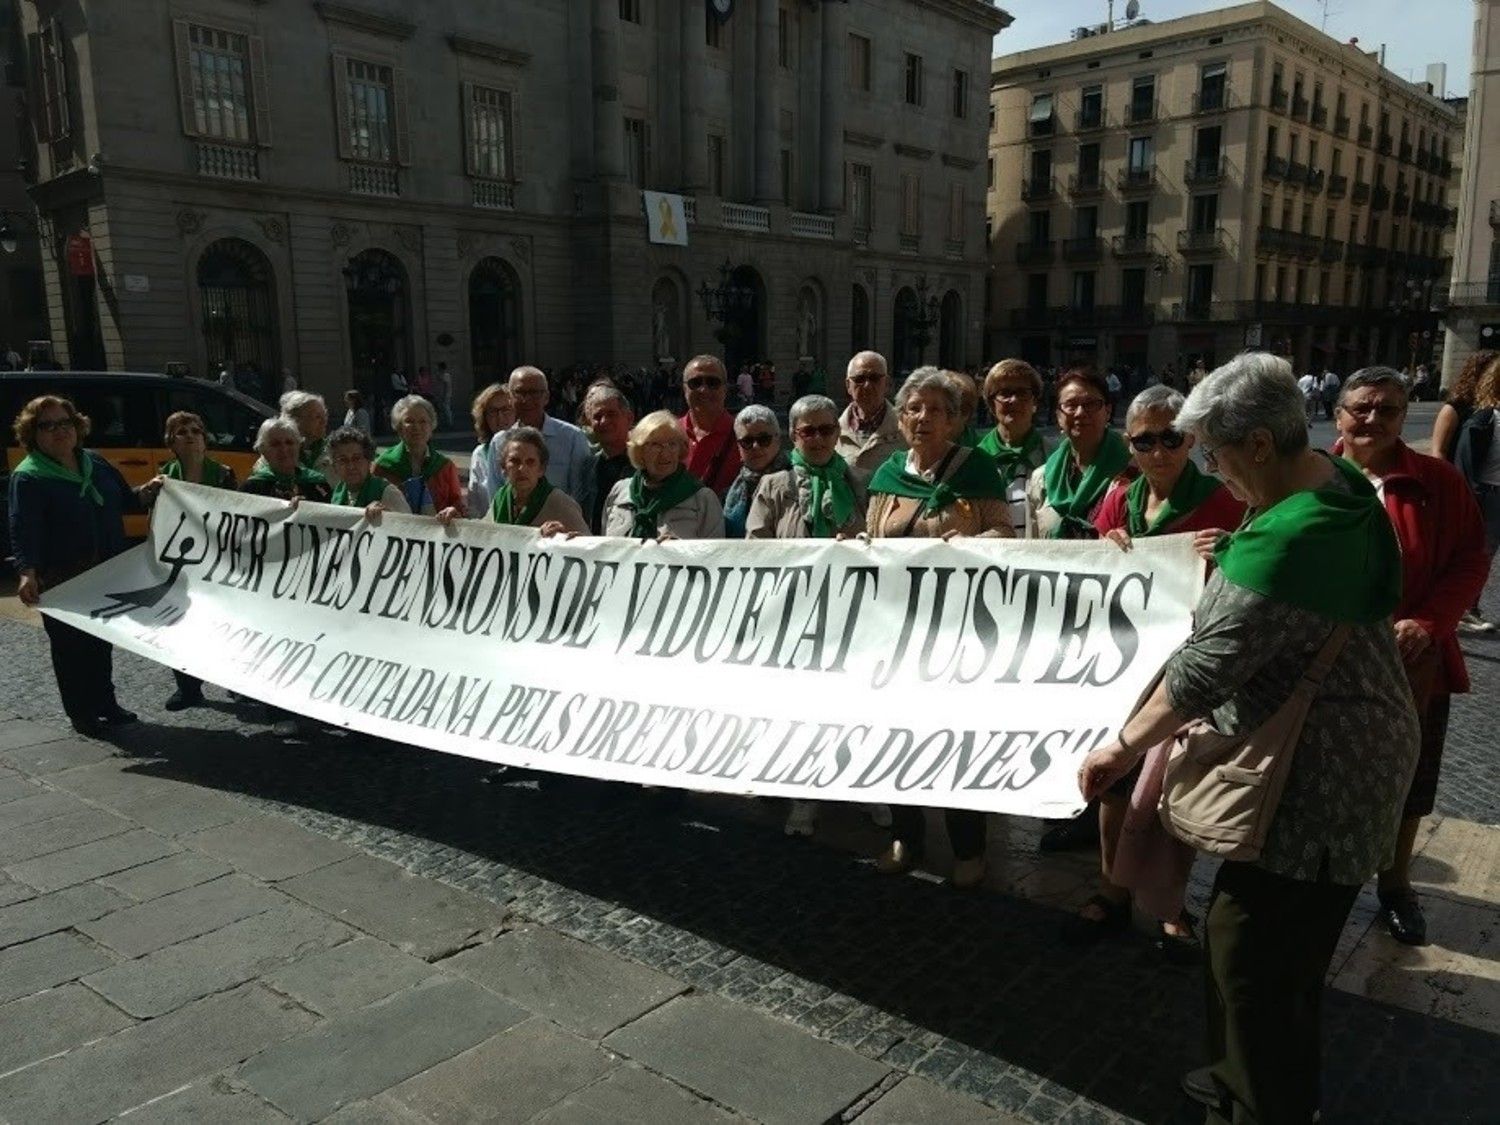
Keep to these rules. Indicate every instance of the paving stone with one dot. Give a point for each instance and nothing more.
(92, 860)
(22, 732)
(60, 1019)
(52, 757)
(12, 892)
(59, 832)
(379, 1110)
(152, 1059)
(162, 804)
(60, 910)
(508, 1078)
(356, 1055)
(629, 1095)
(916, 1101)
(724, 1051)
(169, 978)
(137, 930)
(269, 848)
(586, 990)
(41, 804)
(176, 872)
(14, 787)
(349, 976)
(416, 915)
(45, 963)
(215, 1102)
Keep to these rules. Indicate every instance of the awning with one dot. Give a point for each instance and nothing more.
(1041, 108)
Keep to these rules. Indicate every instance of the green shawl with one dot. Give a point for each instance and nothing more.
(651, 504)
(38, 464)
(369, 493)
(398, 460)
(1192, 488)
(974, 478)
(302, 477)
(831, 503)
(503, 509)
(1326, 550)
(1008, 458)
(215, 475)
(1074, 500)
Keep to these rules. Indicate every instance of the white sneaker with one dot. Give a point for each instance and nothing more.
(880, 815)
(802, 819)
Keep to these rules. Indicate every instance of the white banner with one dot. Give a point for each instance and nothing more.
(969, 674)
(666, 218)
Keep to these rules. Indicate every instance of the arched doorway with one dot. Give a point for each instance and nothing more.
(379, 311)
(904, 333)
(743, 334)
(494, 321)
(237, 298)
(859, 320)
(951, 331)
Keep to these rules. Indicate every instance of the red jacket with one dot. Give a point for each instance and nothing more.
(712, 457)
(1443, 555)
(1220, 510)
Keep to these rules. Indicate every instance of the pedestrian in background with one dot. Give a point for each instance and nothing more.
(356, 416)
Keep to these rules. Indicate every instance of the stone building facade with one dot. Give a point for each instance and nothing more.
(23, 307)
(341, 188)
(1166, 192)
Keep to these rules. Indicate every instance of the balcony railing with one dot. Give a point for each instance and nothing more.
(1278, 100)
(1211, 99)
(1465, 293)
(1038, 187)
(1424, 159)
(1133, 246)
(1445, 170)
(1332, 251)
(1276, 167)
(1299, 107)
(1035, 253)
(1319, 116)
(495, 195)
(1340, 125)
(1401, 204)
(1338, 186)
(803, 224)
(1360, 194)
(1380, 198)
(1366, 136)
(1211, 241)
(1137, 179)
(1385, 144)
(1296, 173)
(953, 247)
(1085, 183)
(1046, 127)
(910, 243)
(1205, 170)
(745, 216)
(1083, 249)
(1087, 120)
(1404, 154)
(374, 179)
(1316, 177)
(228, 162)
(1140, 112)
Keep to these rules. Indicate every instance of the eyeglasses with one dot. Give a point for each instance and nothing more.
(52, 425)
(864, 380)
(704, 384)
(488, 410)
(1211, 457)
(531, 392)
(1146, 441)
(1385, 411)
(1081, 406)
(755, 441)
(809, 433)
(1011, 394)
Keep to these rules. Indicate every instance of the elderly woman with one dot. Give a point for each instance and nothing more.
(67, 507)
(310, 414)
(427, 479)
(935, 489)
(1013, 390)
(528, 498)
(1064, 495)
(1444, 567)
(758, 434)
(280, 473)
(494, 412)
(352, 452)
(661, 499)
(1315, 569)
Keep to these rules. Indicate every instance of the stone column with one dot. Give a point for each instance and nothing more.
(767, 105)
(831, 117)
(609, 122)
(694, 63)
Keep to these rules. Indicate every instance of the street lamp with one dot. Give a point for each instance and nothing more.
(921, 317)
(725, 302)
(9, 238)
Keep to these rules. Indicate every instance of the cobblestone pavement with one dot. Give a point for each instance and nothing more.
(978, 994)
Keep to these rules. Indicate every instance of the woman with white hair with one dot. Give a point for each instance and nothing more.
(661, 499)
(310, 414)
(758, 434)
(427, 479)
(280, 473)
(528, 498)
(1305, 586)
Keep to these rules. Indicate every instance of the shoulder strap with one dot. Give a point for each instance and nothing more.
(1323, 662)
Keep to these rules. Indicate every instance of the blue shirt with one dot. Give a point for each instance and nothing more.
(58, 532)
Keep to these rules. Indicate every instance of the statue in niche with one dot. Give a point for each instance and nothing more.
(661, 325)
(807, 323)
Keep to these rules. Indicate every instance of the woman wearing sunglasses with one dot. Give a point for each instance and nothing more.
(758, 435)
(1170, 496)
(1064, 495)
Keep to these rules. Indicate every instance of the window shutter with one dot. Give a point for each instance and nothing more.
(60, 44)
(513, 137)
(341, 106)
(182, 49)
(260, 91)
(466, 92)
(403, 120)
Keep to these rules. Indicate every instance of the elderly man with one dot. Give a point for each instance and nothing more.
(712, 455)
(868, 433)
(610, 417)
(570, 462)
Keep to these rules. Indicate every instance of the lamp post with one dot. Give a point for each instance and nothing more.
(726, 303)
(921, 317)
(11, 223)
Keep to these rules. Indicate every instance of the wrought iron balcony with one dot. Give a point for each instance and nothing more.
(1211, 99)
(1081, 184)
(1319, 116)
(1046, 127)
(1405, 153)
(1133, 246)
(1035, 253)
(1385, 144)
(1423, 159)
(1338, 187)
(1366, 136)
(1140, 112)
(1299, 107)
(1137, 179)
(1213, 241)
(1361, 194)
(1380, 198)
(1315, 180)
(1272, 240)
(1276, 167)
(1296, 173)
(1087, 120)
(1340, 125)
(1083, 249)
(1205, 171)
(1332, 251)
(1038, 187)
(1401, 205)
(1278, 99)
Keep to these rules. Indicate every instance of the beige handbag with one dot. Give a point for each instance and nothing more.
(1221, 791)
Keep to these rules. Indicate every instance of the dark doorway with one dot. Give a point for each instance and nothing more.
(743, 333)
(904, 333)
(379, 307)
(494, 321)
(951, 331)
(859, 319)
(239, 312)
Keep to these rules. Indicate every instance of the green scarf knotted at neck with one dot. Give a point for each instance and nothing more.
(1073, 500)
(1009, 457)
(1330, 551)
(303, 477)
(973, 479)
(369, 493)
(215, 475)
(831, 501)
(504, 508)
(38, 464)
(651, 504)
(1191, 490)
(398, 460)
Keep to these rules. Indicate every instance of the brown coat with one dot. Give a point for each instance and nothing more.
(988, 518)
(779, 509)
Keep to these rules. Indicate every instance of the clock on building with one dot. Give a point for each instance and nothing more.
(721, 9)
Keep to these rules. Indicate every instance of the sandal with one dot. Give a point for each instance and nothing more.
(1180, 949)
(1116, 919)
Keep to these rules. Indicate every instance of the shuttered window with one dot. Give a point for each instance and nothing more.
(221, 77)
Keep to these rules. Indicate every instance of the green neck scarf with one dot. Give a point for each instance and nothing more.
(215, 475)
(504, 507)
(832, 500)
(1329, 550)
(38, 464)
(312, 452)
(302, 478)
(1192, 488)
(369, 493)
(1073, 500)
(1008, 458)
(974, 479)
(970, 438)
(398, 460)
(651, 504)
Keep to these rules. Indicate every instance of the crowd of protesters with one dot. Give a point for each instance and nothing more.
(1356, 566)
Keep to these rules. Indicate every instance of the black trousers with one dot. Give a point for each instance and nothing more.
(966, 830)
(1268, 942)
(188, 685)
(84, 667)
